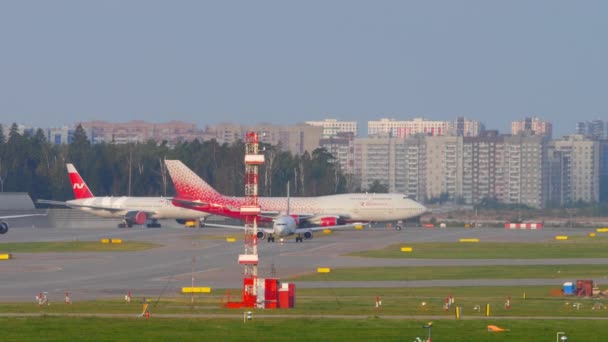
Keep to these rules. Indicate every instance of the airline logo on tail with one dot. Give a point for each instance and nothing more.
(81, 190)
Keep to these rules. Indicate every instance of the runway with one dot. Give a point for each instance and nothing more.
(163, 271)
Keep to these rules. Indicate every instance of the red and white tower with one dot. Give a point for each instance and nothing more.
(250, 210)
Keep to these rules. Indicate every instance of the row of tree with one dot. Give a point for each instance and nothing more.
(28, 162)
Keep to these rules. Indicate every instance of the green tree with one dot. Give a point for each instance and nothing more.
(377, 187)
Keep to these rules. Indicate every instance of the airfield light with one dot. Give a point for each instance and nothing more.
(561, 336)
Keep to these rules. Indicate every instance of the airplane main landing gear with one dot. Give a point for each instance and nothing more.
(125, 224)
(153, 224)
(270, 238)
(299, 239)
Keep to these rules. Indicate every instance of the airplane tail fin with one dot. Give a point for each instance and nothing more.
(81, 190)
(188, 184)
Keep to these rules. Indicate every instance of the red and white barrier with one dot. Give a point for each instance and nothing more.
(523, 226)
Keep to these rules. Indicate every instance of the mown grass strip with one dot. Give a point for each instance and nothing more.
(308, 329)
(575, 248)
(74, 246)
(459, 272)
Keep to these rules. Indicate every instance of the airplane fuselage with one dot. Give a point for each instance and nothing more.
(160, 206)
(356, 207)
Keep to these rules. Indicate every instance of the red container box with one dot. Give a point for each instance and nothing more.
(270, 289)
(292, 295)
(284, 299)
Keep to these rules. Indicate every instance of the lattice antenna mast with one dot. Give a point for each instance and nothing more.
(251, 210)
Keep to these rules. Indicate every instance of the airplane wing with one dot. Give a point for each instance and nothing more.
(214, 225)
(17, 216)
(188, 202)
(356, 225)
(98, 207)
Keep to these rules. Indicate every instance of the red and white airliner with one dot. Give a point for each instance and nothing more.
(133, 210)
(305, 214)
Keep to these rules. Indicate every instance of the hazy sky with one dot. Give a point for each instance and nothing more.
(286, 61)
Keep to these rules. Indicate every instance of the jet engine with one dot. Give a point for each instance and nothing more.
(3, 227)
(307, 235)
(261, 235)
(135, 217)
(330, 221)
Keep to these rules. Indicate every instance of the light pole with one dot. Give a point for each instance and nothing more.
(561, 337)
(429, 326)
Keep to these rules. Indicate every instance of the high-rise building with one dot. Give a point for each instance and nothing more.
(331, 127)
(575, 164)
(532, 126)
(296, 138)
(482, 164)
(603, 146)
(398, 163)
(341, 147)
(467, 128)
(595, 129)
(60, 135)
(408, 128)
(443, 167)
(139, 131)
(524, 170)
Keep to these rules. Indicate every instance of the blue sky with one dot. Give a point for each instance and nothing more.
(286, 61)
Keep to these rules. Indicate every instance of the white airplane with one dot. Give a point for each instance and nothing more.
(133, 210)
(286, 224)
(4, 226)
(308, 213)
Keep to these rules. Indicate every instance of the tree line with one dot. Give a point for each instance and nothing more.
(29, 163)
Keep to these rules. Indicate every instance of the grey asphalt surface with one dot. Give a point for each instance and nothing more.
(163, 271)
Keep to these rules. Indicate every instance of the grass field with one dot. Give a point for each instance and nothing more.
(459, 272)
(74, 246)
(538, 302)
(576, 248)
(301, 329)
(320, 315)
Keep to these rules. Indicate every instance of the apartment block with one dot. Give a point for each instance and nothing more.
(138, 131)
(532, 125)
(408, 128)
(595, 129)
(341, 146)
(60, 135)
(398, 163)
(575, 167)
(443, 167)
(296, 138)
(524, 170)
(483, 166)
(467, 128)
(331, 127)
(603, 146)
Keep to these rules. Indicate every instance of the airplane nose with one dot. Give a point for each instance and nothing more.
(422, 209)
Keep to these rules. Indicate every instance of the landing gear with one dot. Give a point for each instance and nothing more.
(125, 224)
(299, 239)
(153, 224)
(399, 225)
(270, 238)
(201, 222)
